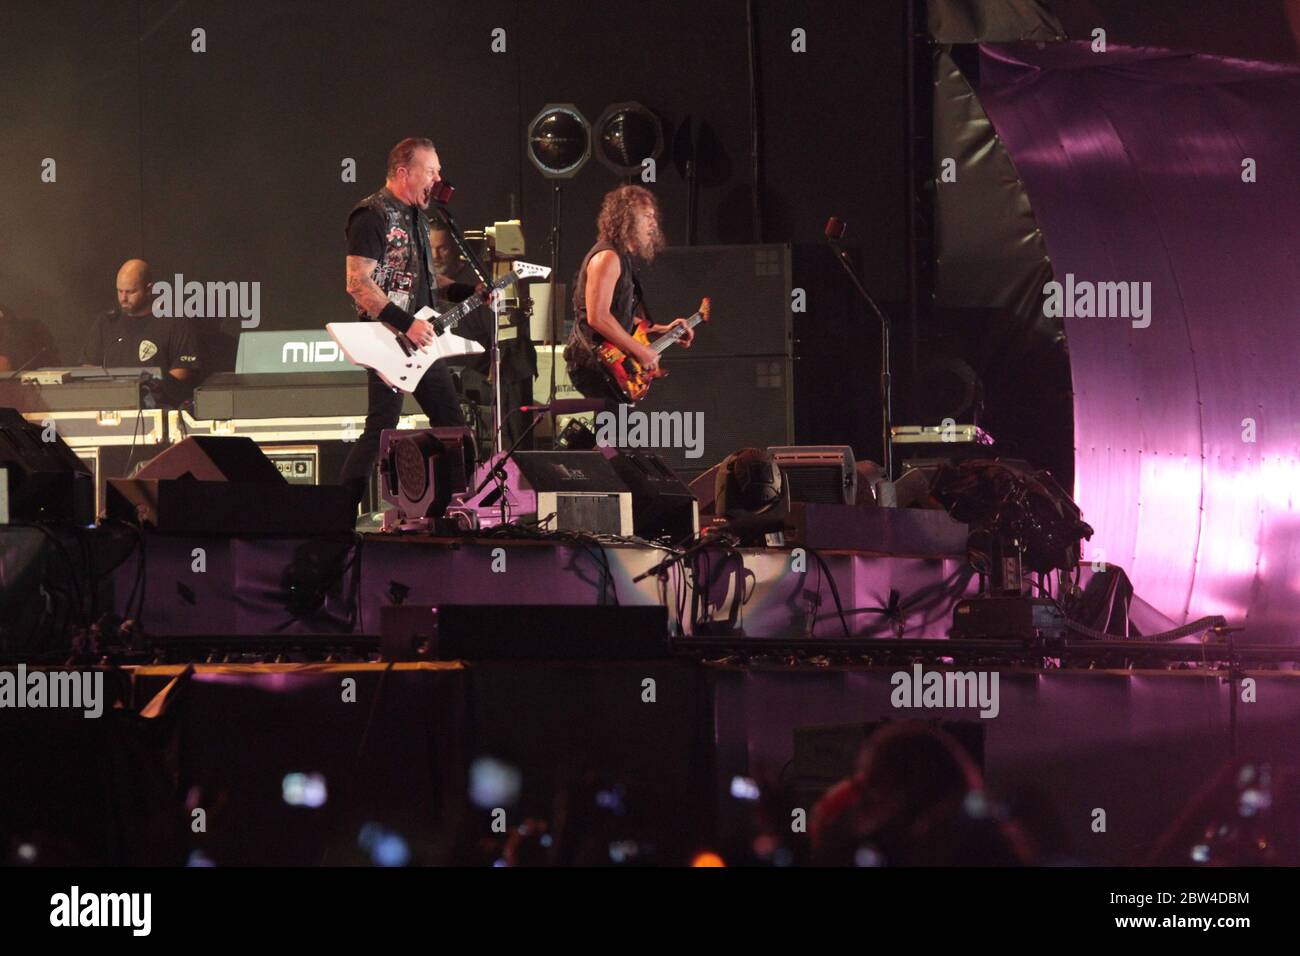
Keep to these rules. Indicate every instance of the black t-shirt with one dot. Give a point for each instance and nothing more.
(366, 239)
(126, 341)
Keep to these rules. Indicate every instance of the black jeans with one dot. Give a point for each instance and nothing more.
(436, 396)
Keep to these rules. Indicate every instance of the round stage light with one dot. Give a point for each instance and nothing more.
(559, 141)
(627, 134)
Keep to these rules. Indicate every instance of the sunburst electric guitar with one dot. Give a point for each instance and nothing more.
(625, 372)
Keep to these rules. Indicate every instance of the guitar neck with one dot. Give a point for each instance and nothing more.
(462, 309)
(671, 338)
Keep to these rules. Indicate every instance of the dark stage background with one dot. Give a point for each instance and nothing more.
(225, 165)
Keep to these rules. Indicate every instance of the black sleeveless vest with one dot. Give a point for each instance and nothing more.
(398, 273)
(626, 305)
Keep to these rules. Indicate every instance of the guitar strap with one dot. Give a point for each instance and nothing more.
(639, 299)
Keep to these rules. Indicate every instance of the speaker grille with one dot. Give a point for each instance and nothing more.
(750, 291)
(743, 401)
(823, 484)
(594, 513)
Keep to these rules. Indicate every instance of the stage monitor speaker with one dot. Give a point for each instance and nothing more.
(566, 490)
(210, 458)
(523, 632)
(207, 485)
(179, 506)
(42, 480)
(580, 488)
(819, 474)
(740, 401)
(298, 463)
(749, 287)
(662, 505)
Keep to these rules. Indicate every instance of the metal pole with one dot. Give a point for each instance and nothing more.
(498, 418)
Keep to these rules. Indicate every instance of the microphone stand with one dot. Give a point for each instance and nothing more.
(497, 470)
(459, 239)
(886, 381)
(14, 373)
(494, 359)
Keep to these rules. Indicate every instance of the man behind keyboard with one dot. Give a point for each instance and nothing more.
(131, 336)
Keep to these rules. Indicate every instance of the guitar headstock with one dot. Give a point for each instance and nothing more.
(705, 305)
(526, 270)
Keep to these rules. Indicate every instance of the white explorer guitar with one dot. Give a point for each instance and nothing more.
(396, 359)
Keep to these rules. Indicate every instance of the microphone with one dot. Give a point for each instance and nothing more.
(442, 192)
(568, 406)
(835, 228)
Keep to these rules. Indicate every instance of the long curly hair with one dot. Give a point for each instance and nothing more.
(617, 220)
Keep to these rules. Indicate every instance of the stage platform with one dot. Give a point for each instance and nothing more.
(292, 743)
(188, 587)
(220, 585)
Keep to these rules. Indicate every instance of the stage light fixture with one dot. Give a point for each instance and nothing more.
(423, 468)
(749, 482)
(627, 134)
(576, 436)
(558, 144)
(559, 141)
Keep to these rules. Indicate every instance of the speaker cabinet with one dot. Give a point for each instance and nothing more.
(564, 490)
(662, 505)
(207, 485)
(737, 401)
(749, 287)
(210, 458)
(43, 480)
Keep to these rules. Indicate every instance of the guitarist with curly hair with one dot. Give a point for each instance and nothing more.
(607, 299)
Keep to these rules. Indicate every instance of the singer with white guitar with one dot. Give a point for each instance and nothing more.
(390, 278)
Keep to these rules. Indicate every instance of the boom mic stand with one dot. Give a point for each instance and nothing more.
(442, 196)
(497, 472)
(553, 320)
(835, 229)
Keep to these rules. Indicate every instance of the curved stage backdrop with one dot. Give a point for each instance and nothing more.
(1180, 173)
